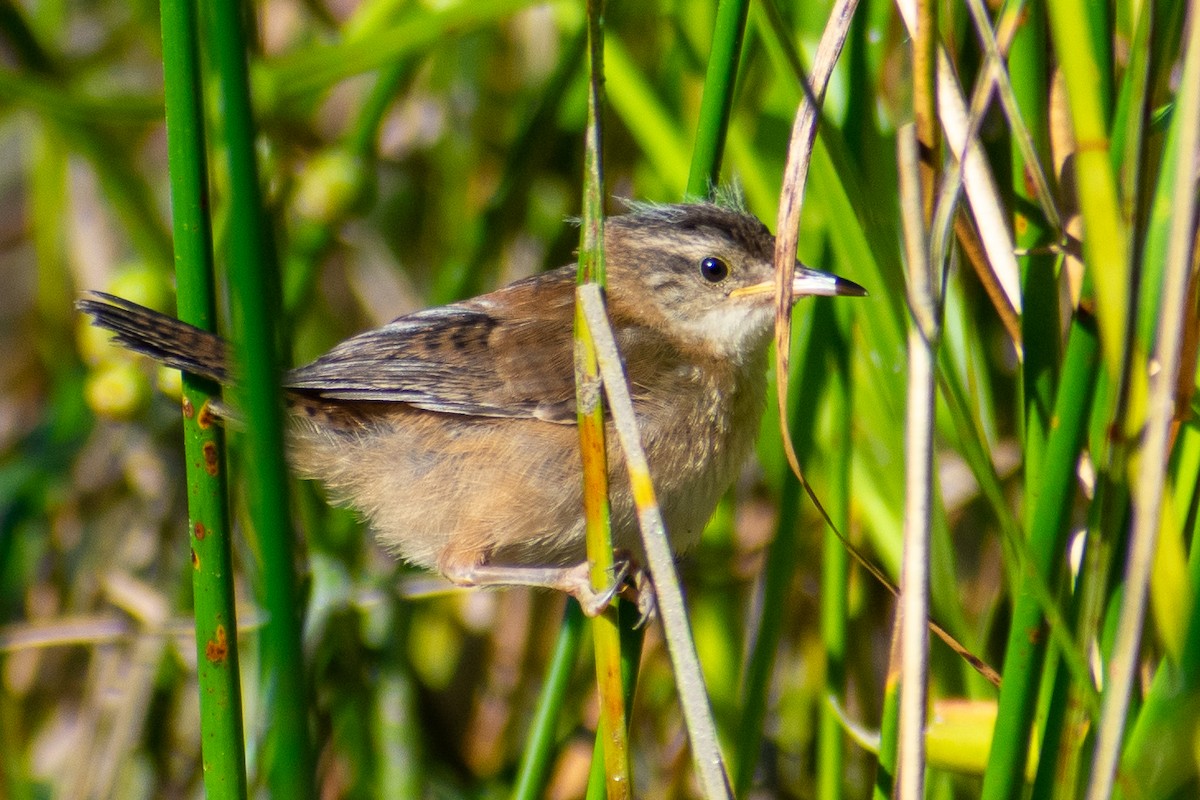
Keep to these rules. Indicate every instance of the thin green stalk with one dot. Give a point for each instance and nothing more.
(1100, 29)
(1016, 546)
(542, 742)
(255, 295)
(1165, 23)
(632, 639)
(689, 680)
(1040, 321)
(1097, 592)
(613, 728)
(779, 563)
(1150, 464)
(1159, 749)
(720, 80)
(889, 725)
(222, 742)
(1025, 652)
(1106, 237)
(1074, 701)
(1061, 743)
(1159, 214)
(47, 186)
(1129, 122)
(835, 577)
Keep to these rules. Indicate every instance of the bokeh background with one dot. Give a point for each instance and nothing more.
(413, 153)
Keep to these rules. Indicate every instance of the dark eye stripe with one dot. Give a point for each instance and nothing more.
(714, 269)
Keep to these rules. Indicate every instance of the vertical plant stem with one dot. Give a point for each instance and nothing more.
(1080, 368)
(1005, 774)
(1040, 320)
(222, 742)
(632, 639)
(717, 101)
(47, 186)
(1105, 240)
(925, 103)
(981, 191)
(835, 579)
(540, 747)
(254, 284)
(889, 725)
(779, 565)
(791, 201)
(918, 446)
(1025, 652)
(1156, 442)
(605, 634)
(697, 712)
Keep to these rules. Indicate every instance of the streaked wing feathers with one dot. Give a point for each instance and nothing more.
(507, 354)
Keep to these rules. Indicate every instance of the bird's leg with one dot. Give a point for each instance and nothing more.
(574, 580)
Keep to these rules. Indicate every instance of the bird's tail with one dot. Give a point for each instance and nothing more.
(163, 338)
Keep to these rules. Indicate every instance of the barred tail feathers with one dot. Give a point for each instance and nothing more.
(163, 338)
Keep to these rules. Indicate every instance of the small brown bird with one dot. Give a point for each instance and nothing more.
(453, 429)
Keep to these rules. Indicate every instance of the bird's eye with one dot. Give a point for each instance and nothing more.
(714, 269)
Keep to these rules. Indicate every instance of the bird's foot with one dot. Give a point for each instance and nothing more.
(628, 580)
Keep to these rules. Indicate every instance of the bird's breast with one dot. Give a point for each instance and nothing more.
(697, 434)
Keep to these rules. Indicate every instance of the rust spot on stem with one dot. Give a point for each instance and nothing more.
(210, 458)
(199, 531)
(1027, 179)
(189, 410)
(206, 416)
(217, 647)
(195, 559)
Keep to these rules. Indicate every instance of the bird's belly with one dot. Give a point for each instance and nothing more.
(695, 459)
(438, 488)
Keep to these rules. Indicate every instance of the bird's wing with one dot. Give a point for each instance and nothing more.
(506, 354)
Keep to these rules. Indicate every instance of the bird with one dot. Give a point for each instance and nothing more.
(452, 430)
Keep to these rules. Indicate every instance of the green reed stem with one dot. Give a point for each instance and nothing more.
(1026, 649)
(1105, 247)
(606, 637)
(835, 570)
(222, 743)
(780, 560)
(542, 742)
(716, 103)
(255, 295)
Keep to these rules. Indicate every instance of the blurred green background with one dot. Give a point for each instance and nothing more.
(413, 153)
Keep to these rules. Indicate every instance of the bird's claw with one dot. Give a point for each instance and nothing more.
(594, 603)
(629, 581)
(642, 590)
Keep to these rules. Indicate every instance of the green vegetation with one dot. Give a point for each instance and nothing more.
(404, 154)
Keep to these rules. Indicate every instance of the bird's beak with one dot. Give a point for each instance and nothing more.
(807, 282)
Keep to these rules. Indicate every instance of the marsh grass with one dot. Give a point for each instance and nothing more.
(410, 153)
